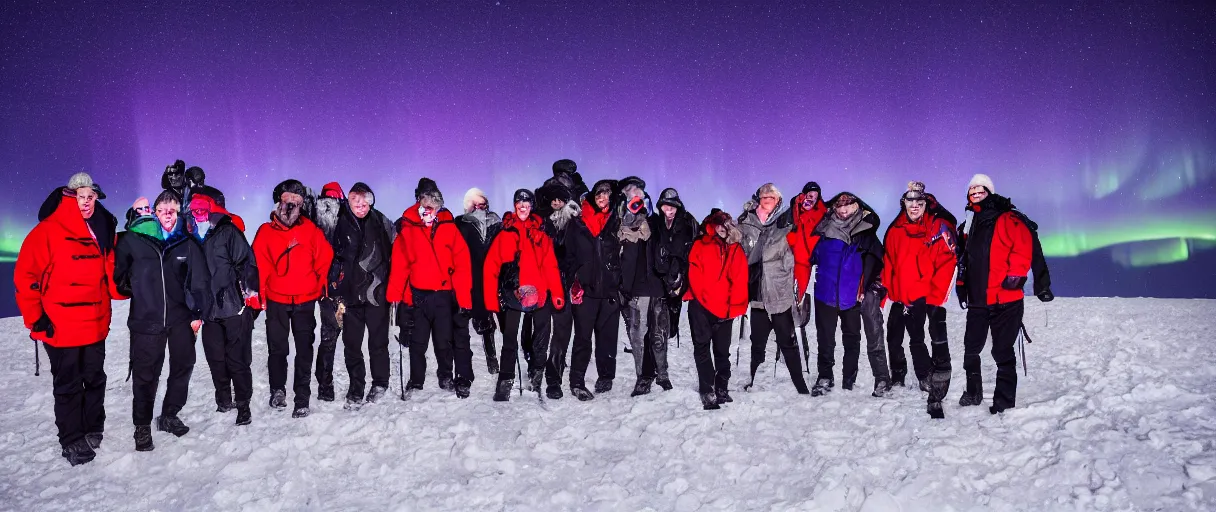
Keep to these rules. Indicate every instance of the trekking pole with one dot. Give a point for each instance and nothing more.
(37, 360)
(400, 365)
(1022, 347)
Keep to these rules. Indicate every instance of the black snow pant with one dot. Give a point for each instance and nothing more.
(1004, 320)
(710, 348)
(825, 333)
(282, 322)
(559, 345)
(79, 386)
(646, 324)
(872, 322)
(783, 325)
(674, 305)
(435, 320)
(484, 327)
(228, 347)
(373, 319)
(911, 318)
(147, 360)
(462, 348)
(600, 317)
(331, 329)
(509, 321)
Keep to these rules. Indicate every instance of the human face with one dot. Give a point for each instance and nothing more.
(166, 214)
(176, 178)
(846, 207)
(977, 193)
(669, 211)
(289, 207)
(142, 207)
(86, 200)
(480, 203)
(768, 202)
(523, 210)
(557, 204)
(359, 205)
(915, 209)
(809, 199)
(427, 213)
(601, 201)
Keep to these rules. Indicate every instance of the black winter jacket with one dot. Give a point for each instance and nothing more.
(478, 235)
(234, 270)
(670, 248)
(168, 281)
(363, 253)
(595, 261)
(638, 275)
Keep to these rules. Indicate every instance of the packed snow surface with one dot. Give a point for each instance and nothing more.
(1118, 412)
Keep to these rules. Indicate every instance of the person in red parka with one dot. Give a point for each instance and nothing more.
(717, 294)
(997, 251)
(64, 277)
(431, 273)
(521, 275)
(808, 210)
(918, 265)
(293, 261)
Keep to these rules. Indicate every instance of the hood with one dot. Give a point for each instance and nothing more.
(564, 215)
(332, 190)
(717, 221)
(510, 221)
(146, 225)
(670, 197)
(471, 195)
(360, 188)
(411, 216)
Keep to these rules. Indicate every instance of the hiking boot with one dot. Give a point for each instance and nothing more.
(881, 388)
(534, 380)
(375, 394)
(924, 385)
(325, 393)
(224, 407)
(822, 387)
(171, 424)
(935, 410)
(278, 399)
(664, 383)
(709, 401)
(847, 384)
(492, 364)
(603, 386)
(997, 410)
(94, 439)
(642, 387)
(300, 412)
(502, 392)
(353, 403)
(462, 388)
(243, 415)
(581, 393)
(897, 381)
(447, 384)
(723, 396)
(79, 452)
(143, 438)
(554, 392)
(969, 399)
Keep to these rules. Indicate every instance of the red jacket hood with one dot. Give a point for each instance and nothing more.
(412, 216)
(595, 219)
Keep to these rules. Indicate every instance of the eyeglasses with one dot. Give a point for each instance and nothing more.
(915, 202)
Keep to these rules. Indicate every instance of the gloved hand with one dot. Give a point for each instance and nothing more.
(195, 325)
(559, 302)
(1046, 296)
(253, 301)
(465, 312)
(44, 324)
(576, 294)
(1013, 282)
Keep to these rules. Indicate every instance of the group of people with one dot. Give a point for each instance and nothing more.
(557, 274)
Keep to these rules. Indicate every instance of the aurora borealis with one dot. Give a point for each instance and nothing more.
(1098, 119)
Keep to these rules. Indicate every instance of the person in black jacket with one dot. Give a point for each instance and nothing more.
(174, 179)
(595, 251)
(164, 271)
(329, 208)
(566, 168)
(563, 210)
(363, 250)
(228, 328)
(478, 226)
(675, 231)
(642, 291)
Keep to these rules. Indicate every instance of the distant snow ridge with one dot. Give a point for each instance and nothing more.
(1118, 412)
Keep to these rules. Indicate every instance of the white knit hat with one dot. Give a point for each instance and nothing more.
(80, 180)
(984, 180)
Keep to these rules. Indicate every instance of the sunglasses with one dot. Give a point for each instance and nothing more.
(480, 206)
(143, 209)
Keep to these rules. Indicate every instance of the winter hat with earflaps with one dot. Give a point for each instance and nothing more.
(524, 195)
(811, 187)
(80, 180)
(425, 185)
(290, 185)
(670, 197)
(364, 190)
(564, 166)
(981, 180)
(332, 190)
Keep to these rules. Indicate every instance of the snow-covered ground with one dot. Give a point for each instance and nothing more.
(1118, 413)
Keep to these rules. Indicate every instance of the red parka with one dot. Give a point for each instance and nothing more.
(537, 263)
(430, 258)
(717, 275)
(997, 250)
(293, 261)
(61, 271)
(918, 260)
(802, 240)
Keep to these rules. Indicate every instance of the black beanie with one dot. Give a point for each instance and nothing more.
(524, 195)
(292, 186)
(811, 187)
(196, 176)
(564, 165)
(425, 185)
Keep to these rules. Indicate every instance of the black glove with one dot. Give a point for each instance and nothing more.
(43, 324)
(465, 312)
(1013, 282)
(1046, 296)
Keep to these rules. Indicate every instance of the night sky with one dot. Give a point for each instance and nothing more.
(1097, 118)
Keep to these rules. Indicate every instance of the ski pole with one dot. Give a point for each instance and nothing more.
(37, 360)
(400, 365)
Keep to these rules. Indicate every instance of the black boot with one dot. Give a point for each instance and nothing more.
(554, 392)
(325, 393)
(78, 452)
(446, 383)
(881, 388)
(974, 394)
(375, 394)
(462, 388)
(581, 393)
(641, 387)
(534, 380)
(94, 439)
(243, 415)
(143, 438)
(603, 386)
(935, 410)
(170, 423)
(300, 412)
(822, 387)
(723, 396)
(502, 392)
(491, 357)
(709, 401)
(664, 383)
(278, 399)
(223, 400)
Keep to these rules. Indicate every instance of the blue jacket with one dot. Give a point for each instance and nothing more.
(838, 278)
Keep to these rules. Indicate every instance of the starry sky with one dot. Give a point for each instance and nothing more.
(1097, 118)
